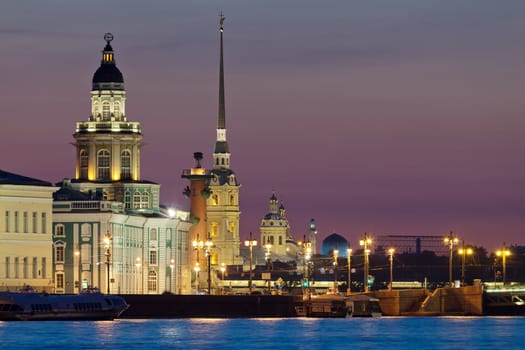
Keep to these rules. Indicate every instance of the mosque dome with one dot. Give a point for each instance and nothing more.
(334, 241)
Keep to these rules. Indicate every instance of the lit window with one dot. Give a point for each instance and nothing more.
(153, 257)
(127, 200)
(214, 200)
(60, 281)
(125, 165)
(136, 200)
(59, 254)
(144, 200)
(105, 111)
(232, 200)
(116, 108)
(84, 161)
(59, 230)
(152, 281)
(103, 164)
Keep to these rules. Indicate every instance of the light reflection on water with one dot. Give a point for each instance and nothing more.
(302, 333)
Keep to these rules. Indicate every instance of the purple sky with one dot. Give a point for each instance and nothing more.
(390, 117)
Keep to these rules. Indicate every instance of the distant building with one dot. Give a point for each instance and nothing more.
(275, 230)
(334, 241)
(411, 244)
(25, 232)
(147, 251)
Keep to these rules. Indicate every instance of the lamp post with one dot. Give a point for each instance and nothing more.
(250, 243)
(391, 259)
(197, 269)
(336, 255)
(365, 242)
(209, 244)
(349, 263)
(206, 246)
(463, 252)
(450, 240)
(138, 265)
(77, 255)
(307, 258)
(268, 256)
(504, 253)
(223, 268)
(107, 245)
(172, 278)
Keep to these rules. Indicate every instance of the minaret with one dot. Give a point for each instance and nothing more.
(223, 204)
(312, 237)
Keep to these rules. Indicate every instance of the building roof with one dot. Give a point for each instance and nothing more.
(108, 76)
(7, 178)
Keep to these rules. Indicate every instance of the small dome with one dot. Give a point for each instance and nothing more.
(334, 241)
(108, 73)
(108, 76)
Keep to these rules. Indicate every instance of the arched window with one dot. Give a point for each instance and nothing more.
(84, 162)
(214, 229)
(144, 200)
(214, 200)
(152, 281)
(103, 164)
(59, 253)
(136, 200)
(125, 165)
(116, 108)
(127, 200)
(105, 111)
(232, 199)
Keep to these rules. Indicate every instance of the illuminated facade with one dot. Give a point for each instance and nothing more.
(25, 233)
(147, 253)
(275, 229)
(223, 203)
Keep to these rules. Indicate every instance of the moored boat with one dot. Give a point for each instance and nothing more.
(30, 305)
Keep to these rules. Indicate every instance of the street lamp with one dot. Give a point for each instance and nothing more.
(450, 240)
(365, 243)
(197, 269)
(336, 287)
(504, 253)
(223, 268)
(172, 278)
(206, 246)
(209, 244)
(250, 243)
(107, 245)
(268, 256)
(77, 255)
(349, 258)
(391, 259)
(464, 252)
(138, 265)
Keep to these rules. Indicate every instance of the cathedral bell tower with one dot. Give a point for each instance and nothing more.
(223, 204)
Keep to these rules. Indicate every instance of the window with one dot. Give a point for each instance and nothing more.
(7, 228)
(35, 224)
(153, 235)
(280, 240)
(59, 254)
(84, 162)
(60, 281)
(116, 108)
(152, 281)
(44, 269)
(7, 267)
(125, 165)
(214, 200)
(144, 200)
(25, 269)
(153, 257)
(127, 200)
(214, 229)
(105, 111)
(35, 267)
(232, 227)
(59, 230)
(103, 164)
(136, 200)
(17, 267)
(44, 223)
(232, 199)
(16, 221)
(26, 224)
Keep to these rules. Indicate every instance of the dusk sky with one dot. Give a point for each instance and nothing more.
(378, 116)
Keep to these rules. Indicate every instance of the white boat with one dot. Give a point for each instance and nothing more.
(30, 305)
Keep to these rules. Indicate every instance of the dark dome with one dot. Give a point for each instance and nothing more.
(108, 73)
(334, 241)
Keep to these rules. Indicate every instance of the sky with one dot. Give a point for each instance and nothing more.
(377, 116)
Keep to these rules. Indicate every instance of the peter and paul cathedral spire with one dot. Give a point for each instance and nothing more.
(223, 205)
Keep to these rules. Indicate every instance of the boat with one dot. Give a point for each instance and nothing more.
(323, 306)
(29, 305)
(362, 305)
